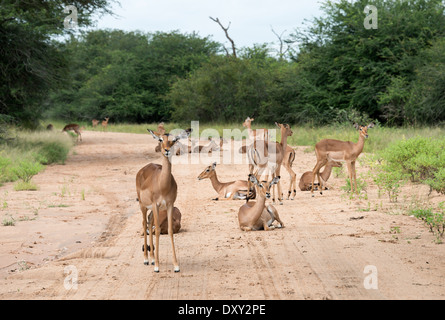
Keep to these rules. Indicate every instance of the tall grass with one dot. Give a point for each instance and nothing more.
(28, 152)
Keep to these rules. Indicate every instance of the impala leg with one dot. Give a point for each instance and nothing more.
(158, 233)
(144, 220)
(316, 172)
(349, 164)
(170, 233)
(144, 227)
(150, 228)
(280, 190)
(355, 176)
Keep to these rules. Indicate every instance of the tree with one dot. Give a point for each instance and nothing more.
(344, 65)
(30, 60)
(126, 75)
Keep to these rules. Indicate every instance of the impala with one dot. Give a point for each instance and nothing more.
(257, 134)
(306, 179)
(267, 156)
(234, 190)
(105, 123)
(256, 215)
(157, 190)
(336, 150)
(288, 160)
(74, 127)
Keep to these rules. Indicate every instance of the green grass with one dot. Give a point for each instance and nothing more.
(28, 152)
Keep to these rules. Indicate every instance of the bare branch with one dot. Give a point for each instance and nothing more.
(280, 38)
(227, 34)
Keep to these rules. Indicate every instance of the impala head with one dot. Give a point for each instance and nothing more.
(334, 163)
(207, 173)
(161, 129)
(285, 129)
(166, 143)
(364, 129)
(247, 122)
(264, 186)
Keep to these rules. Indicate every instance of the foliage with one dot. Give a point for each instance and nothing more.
(125, 75)
(26, 169)
(27, 154)
(343, 65)
(433, 219)
(30, 60)
(419, 159)
(224, 89)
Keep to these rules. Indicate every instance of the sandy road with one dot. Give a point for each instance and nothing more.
(88, 224)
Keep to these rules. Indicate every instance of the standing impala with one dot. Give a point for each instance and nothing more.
(157, 190)
(256, 215)
(74, 127)
(336, 150)
(105, 123)
(257, 134)
(267, 156)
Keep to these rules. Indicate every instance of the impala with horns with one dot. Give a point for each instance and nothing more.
(157, 190)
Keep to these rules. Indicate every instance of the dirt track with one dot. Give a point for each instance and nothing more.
(85, 217)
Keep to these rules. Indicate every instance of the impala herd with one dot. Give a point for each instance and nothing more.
(157, 189)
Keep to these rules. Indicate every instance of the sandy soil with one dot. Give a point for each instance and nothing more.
(84, 223)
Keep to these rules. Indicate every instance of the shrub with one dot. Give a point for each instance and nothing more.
(26, 169)
(388, 181)
(433, 219)
(421, 159)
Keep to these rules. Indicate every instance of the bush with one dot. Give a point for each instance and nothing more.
(433, 219)
(26, 169)
(421, 159)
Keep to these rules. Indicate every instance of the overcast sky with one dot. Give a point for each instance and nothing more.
(251, 20)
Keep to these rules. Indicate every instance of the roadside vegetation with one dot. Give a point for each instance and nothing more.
(23, 154)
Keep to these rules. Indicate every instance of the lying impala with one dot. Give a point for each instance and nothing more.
(306, 179)
(163, 221)
(234, 190)
(157, 190)
(254, 216)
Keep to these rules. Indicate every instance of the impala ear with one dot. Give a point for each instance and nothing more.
(213, 165)
(155, 136)
(183, 135)
(253, 179)
(371, 125)
(278, 125)
(356, 126)
(275, 180)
